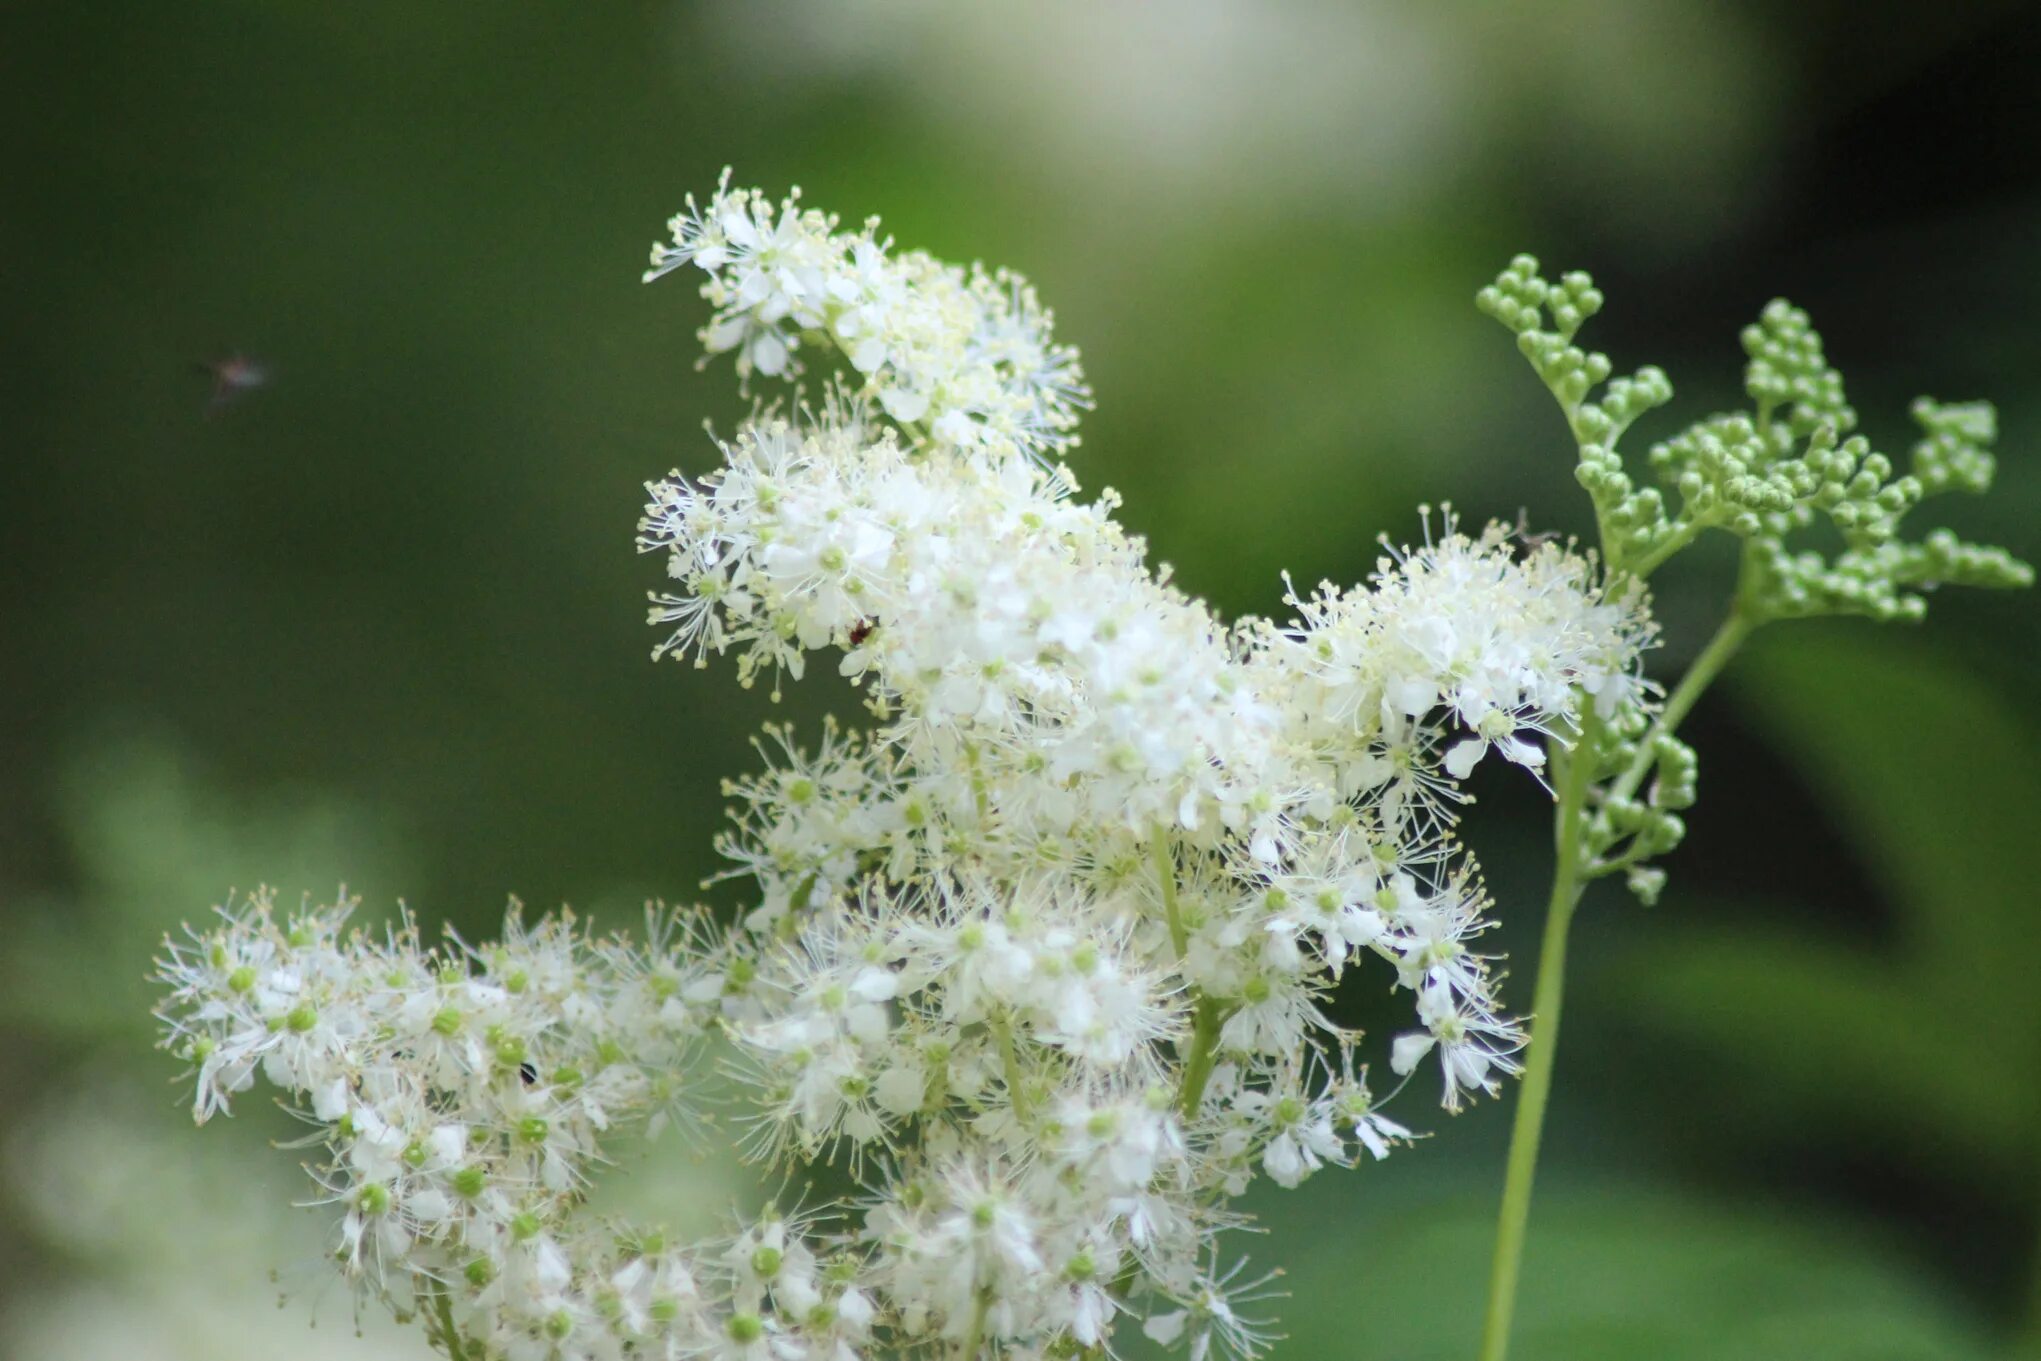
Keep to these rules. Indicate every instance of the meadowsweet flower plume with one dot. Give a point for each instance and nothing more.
(1041, 953)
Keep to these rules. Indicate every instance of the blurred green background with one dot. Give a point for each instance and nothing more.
(380, 618)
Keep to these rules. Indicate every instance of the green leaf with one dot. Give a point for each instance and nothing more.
(1934, 779)
(1935, 1036)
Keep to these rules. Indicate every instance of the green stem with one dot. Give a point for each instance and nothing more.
(975, 1338)
(1165, 870)
(1650, 562)
(1706, 667)
(1569, 877)
(449, 1335)
(1009, 1063)
(979, 797)
(789, 926)
(1207, 1015)
(1544, 1045)
(1600, 869)
(1204, 1056)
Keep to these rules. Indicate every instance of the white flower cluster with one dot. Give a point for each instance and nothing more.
(963, 358)
(1042, 957)
(462, 1095)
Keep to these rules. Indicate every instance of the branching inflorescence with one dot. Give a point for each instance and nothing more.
(1041, 955)
(1770, 476)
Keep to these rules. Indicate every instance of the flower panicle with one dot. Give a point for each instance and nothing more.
(1045, 955)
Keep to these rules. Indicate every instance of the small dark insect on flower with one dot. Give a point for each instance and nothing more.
(233, 375)
(860, 631)
(529, 1071)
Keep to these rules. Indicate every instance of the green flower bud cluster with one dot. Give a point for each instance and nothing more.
(1878, 574)
(1766, 474)
(1955, 453)
(1789, 465)
(1633, 825)
(1633, 521)
(1788, 369)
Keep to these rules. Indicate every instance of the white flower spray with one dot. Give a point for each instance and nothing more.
(1042, 957)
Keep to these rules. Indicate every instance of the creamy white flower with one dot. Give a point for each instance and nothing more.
(1041, 955)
